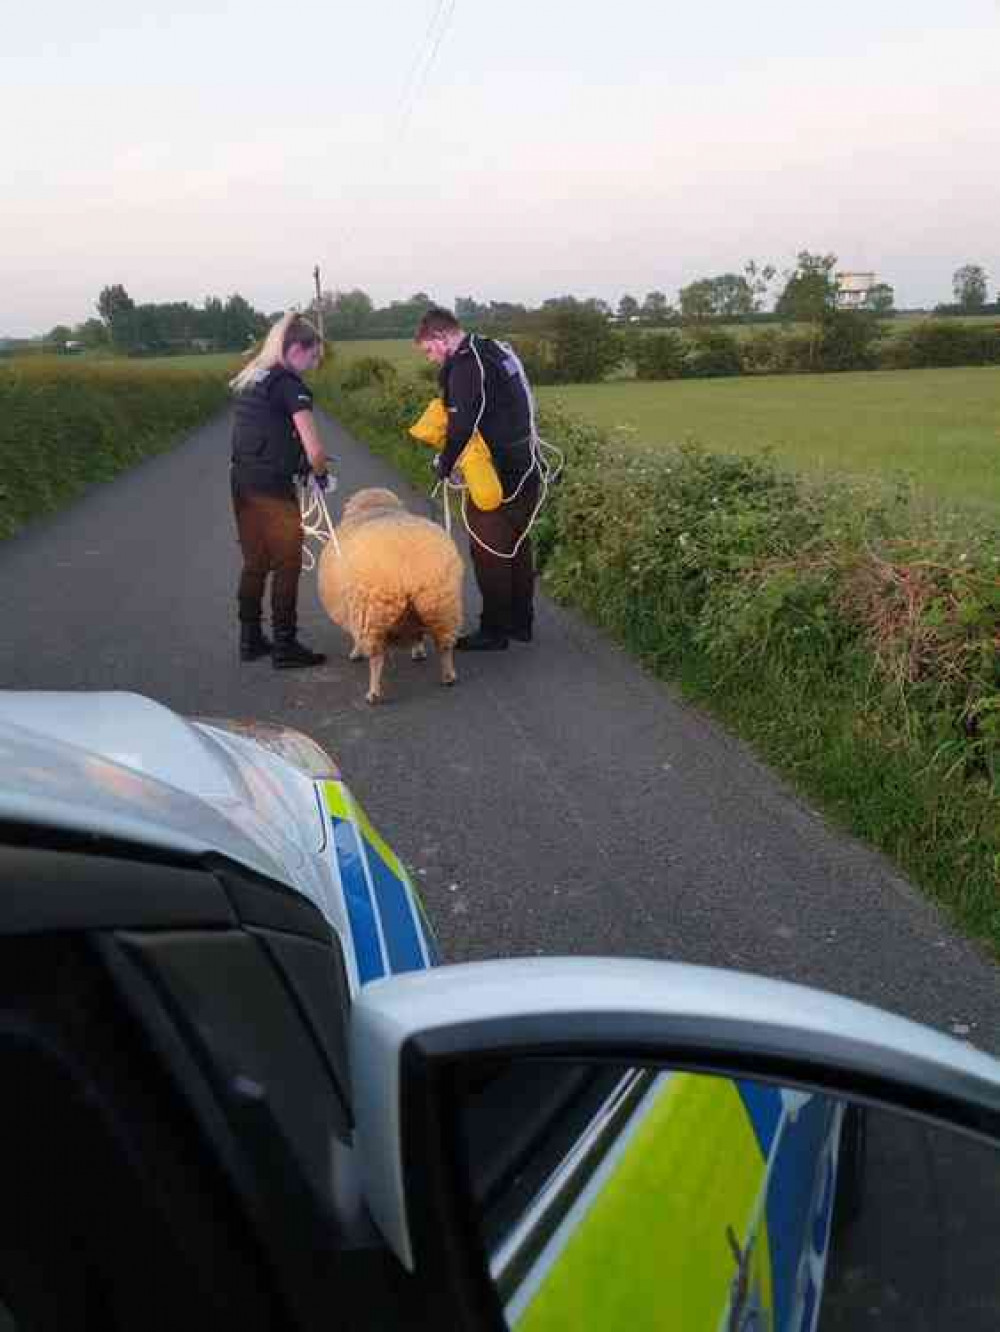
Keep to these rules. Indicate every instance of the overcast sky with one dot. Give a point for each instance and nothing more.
(198, 147)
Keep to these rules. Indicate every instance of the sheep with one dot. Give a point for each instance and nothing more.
(390, 578)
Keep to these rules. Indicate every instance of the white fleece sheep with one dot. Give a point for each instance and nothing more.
(396, 578)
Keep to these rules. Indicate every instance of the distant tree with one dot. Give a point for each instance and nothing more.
(810, 289)
(347, 313)
(92, 333)
(881, 298)
(213, 321)
(732, 295)
(58, 336)
(506, 310)
(146, 329)
(656, 307)
(697, 300)
(628, 307)
(758, 279)
(969, 286)
(241, 324)
(115, 307)
(468, 310)
(586, 348)
(553, 304)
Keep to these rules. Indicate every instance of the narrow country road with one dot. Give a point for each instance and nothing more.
(559, 800)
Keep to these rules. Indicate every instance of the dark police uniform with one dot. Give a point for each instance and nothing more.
(266, 455)
(483, 389)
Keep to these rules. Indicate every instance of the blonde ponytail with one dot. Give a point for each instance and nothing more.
(289, 329)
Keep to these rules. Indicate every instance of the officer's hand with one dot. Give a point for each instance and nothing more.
(322, 479)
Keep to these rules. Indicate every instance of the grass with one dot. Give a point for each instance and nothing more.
(939, 427)
(895, 325)
(400, 351)
(210, 362)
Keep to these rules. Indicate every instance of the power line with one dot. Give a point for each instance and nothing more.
(414, 84)
(448, 15)
(423, 46)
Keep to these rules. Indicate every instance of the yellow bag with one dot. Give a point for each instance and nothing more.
(475, 460)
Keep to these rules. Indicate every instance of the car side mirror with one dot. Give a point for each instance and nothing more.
(588, 1143)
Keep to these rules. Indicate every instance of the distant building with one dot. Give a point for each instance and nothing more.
(854, 290)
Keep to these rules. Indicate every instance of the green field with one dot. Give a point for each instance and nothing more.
(942, 427)
(400, 351)
(211, 361)
(895, 326)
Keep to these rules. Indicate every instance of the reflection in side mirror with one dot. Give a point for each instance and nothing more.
(615, 1197)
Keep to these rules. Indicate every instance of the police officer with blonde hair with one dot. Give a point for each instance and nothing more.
(274, 440)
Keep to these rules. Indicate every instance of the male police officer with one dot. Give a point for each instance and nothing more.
(484, 389)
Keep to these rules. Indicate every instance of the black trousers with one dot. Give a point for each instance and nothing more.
(507, 586)
(270, 534)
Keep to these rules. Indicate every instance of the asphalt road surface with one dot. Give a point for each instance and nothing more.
(559, 800)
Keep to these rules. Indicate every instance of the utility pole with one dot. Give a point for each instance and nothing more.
(319, 305)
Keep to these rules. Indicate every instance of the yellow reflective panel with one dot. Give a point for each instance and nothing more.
(655, 1247)
(378, 843)
(337, 801)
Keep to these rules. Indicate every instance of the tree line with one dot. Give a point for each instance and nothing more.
(123, 326)
(755, 294)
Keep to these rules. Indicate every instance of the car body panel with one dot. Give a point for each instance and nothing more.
(389, 931)
(119, 766)
(572, 1002)
(51, 784)
(718, 1191)
(703, 1208)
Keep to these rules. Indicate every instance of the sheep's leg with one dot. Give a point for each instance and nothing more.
(448, 676)
(419, 652)
(375, 664)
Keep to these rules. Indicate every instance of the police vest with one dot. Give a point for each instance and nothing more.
(267, 452)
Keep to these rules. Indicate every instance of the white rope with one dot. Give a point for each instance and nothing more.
(442, 487)
(541, 452)
(317, 525)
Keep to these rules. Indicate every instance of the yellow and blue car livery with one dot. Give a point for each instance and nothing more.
(712, 1211)
(389, 928)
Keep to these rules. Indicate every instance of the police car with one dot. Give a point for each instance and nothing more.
(240, 1089)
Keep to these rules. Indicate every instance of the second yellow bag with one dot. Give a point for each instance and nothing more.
(475, 461)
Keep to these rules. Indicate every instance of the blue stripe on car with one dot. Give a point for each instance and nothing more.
(357, 897)
(764, 1108)
(398, 924)
(794, 1190)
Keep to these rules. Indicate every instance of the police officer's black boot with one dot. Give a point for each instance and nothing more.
(288, 653)
(483, 640)
(253, 644)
